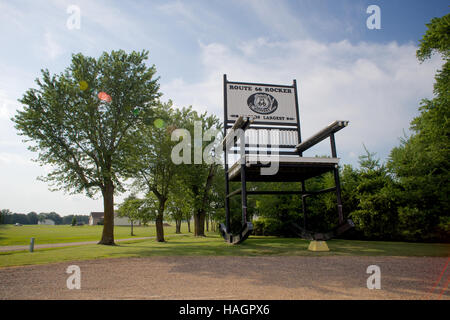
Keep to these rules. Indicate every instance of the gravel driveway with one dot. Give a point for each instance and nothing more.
(207, 278)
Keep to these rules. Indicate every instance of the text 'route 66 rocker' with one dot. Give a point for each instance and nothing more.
(263, 139)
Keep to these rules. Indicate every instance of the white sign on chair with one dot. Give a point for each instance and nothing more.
(265, 103)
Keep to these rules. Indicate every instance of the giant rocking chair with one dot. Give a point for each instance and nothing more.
(262, 130)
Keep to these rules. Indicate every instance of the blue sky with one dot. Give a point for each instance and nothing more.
(344, 70)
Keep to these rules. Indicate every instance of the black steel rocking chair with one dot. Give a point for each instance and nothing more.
(273, 143)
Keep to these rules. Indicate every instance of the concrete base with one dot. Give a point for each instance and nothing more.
(315, 245)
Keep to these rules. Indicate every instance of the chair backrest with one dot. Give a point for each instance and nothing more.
(274, 109)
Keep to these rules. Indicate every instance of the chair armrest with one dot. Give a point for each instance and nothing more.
(321, 135)
(240, 123)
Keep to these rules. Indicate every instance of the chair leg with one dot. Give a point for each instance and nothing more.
(227, 200)
(338, 195)
(336, 180)
(243, 194)
(304, 205)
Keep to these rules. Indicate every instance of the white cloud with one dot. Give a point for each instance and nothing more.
(377, 87)
(14, 159)
(51, 47)
(196, 18)
(275, 15)
(7, 106)
(12, 15)
(179, 9)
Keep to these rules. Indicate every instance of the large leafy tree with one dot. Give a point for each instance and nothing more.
(198, 176)
(4, 213)
(180, 204)
(378, 200)
(81, 122)
(131, 209)
(216, 207)
(32, 218)
(422, 161)
(152, 168)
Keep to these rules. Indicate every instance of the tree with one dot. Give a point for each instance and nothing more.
(180, 205)
(83, 219)
(81, 122)
(273, 213)
(68, 219)
(32, 217)
(188, 218)
(74, 221)
(55, 217)
(378, 195)
(153, 169)
(4, 215)
(202, 190)
(149, 208)
(130, 208)
(216, 203)
(18, 218)
(421, 163)
(176, 212)
(199, 175)
(42, 216)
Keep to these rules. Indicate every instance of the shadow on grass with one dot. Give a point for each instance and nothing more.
(384, 248)
(216, 246)
(261, 246)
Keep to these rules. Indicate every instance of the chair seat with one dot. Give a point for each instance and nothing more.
(290, 168)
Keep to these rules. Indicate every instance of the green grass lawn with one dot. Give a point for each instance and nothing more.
(11, 235)
(213, 245)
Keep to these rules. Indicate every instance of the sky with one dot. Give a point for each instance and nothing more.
(344, 70)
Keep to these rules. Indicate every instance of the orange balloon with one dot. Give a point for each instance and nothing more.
(104, 96)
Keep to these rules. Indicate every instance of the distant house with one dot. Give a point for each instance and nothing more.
(48, 222)
(96, 217)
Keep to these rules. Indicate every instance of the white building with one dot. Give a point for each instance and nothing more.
(96, 217)
(48, 222)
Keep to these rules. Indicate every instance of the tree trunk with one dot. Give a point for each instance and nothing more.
(178, 226)
(199, 216)
(199, 224)
(189, 224)
(132, 228)
(108, 218)
(159, 220)
(159, 228)
(207, 223)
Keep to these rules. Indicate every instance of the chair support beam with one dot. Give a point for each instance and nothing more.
(241, 123)
(321, 135)
(281, 192)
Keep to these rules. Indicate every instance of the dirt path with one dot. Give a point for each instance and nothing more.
(69, 244)
(230, 278)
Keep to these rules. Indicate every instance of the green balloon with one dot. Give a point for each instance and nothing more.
(83, 85)
(159, 123)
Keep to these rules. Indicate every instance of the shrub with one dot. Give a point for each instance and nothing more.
(271, 227)
(258, 227)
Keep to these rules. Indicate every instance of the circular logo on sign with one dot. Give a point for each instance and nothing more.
(262, 103)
